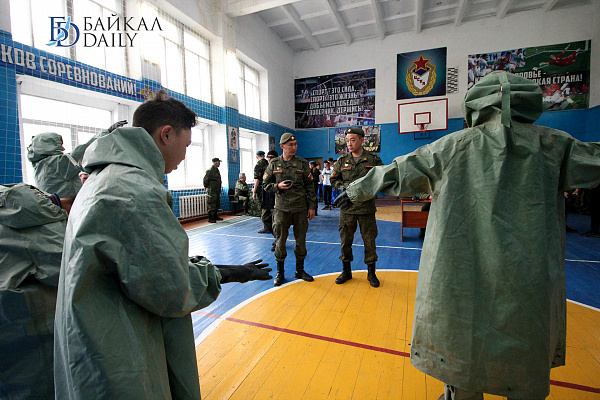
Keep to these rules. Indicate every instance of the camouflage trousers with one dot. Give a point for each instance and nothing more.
(282, 221)
(214, 200)
(266, 217)
(368, 231)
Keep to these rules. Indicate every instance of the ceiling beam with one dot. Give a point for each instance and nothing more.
(460, 12)
(549, 5)
(339, 21)
(301, 26)
(353, 5)
(503, 9)
(378, 19)
(419, 15)
(237, 8)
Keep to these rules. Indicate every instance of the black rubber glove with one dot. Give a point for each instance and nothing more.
(243, 273)
(117, 125)
(342, 201)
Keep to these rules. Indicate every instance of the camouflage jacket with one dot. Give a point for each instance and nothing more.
(241, 189)
(301, 196)
(212, 179)
(260, 168)
(346, 170)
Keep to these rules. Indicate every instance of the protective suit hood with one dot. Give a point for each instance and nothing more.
(20, 210)
(501, 96)
(44, 145)
(127, 146)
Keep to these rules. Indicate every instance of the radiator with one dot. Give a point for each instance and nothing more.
(193, 206)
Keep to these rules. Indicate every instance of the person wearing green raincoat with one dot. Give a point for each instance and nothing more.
(32, 231)
(490, 305)
(56, 171)
(127, 286)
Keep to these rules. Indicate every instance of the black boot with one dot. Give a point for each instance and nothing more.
(346, 274)
(217, 218)
(279, 278)
(211, 218)
(300, 274)
(371, 275)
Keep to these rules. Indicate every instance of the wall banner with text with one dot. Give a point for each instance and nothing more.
(562, 71)
(335, 100)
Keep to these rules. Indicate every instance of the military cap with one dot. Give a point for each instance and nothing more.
(272, 153)
(216, 159)
(312, 162)
(260, 153)
(356, 130)
(286, 137)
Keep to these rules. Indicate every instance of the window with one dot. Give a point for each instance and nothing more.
(108, 58)
(76, 124)
(182, 55)
(190, 173)
(246, 157)
(249, 94)
(23, 13)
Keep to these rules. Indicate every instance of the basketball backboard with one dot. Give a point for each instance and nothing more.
(423, 116)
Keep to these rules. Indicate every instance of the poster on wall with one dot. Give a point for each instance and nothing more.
(272, 143)
(232, 137)
(372, 139)
(562, 71)
(421, 74)
(346, 99)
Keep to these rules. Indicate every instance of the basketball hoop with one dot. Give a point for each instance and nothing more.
(423, 127)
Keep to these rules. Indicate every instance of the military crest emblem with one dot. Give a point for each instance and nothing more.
(421, 76)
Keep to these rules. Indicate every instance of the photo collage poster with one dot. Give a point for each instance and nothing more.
(372, 139)
(562, 71)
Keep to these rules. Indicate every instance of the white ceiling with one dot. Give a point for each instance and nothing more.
(313, 24)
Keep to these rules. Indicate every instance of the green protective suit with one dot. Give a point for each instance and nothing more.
(32, 231)
(490, 307)
(123, 327)
(55, 171)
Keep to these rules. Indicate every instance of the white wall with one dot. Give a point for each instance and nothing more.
(261, 44)
(524, 29)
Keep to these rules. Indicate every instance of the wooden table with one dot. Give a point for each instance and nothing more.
(413, 219)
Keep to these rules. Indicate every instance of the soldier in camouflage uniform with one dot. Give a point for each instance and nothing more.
(348, 168)
(242, 192)
(257, 190)
(295, 202)
(212, 183)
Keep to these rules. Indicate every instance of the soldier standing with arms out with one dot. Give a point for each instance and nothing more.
(295, 202)
(212, 183)
(348, 168)
(257, 190)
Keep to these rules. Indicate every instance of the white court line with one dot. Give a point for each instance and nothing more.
(312, 241)
(223, 317)
(338, 244)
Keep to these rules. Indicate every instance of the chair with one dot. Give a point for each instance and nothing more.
(234, 202)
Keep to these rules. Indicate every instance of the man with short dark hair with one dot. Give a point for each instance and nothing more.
(212, 183)
(127, 285)
(349, 167)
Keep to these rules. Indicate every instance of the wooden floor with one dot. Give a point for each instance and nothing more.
(320, 340)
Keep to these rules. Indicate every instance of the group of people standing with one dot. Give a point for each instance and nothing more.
(288, 186)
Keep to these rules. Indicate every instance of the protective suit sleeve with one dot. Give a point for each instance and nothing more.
(78, 151)
(134, 232)
(581, 168)
(406, 175)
